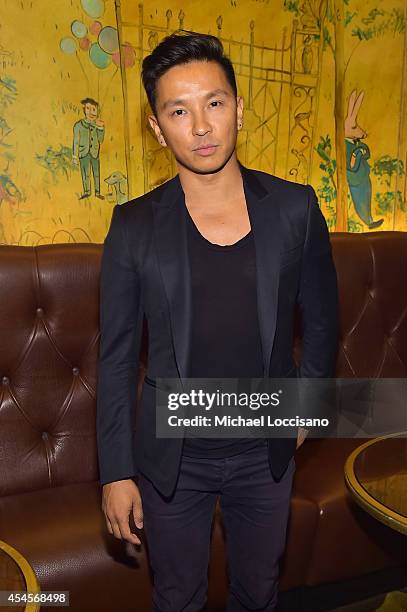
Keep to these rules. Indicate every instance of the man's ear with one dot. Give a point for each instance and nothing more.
(239, 112)
(152, 119)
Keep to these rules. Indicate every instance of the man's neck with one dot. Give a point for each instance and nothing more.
(220, 189)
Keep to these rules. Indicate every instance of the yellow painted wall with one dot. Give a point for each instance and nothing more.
(297, 65)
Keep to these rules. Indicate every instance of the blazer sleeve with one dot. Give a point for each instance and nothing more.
(318, 297)
(121, 318)
(318, 302)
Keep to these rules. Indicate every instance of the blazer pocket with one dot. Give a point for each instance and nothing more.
(150, 381)
(290, 256)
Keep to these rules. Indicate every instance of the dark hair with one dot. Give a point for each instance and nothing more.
(180, 49)
(90, 101)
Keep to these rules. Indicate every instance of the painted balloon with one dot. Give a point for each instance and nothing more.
(68, 45)
(95, 28)
(78, 29)
(94, 8)
(99, 58)
(84, 44)
(129, 56)
(109, 40)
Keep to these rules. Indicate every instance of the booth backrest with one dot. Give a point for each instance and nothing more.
(49, 337)
(372, 280)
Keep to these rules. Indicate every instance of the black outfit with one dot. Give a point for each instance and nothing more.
(146, 275)
(196, 298)
(225, 334)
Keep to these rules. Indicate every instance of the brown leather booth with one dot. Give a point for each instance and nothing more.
(50, 498)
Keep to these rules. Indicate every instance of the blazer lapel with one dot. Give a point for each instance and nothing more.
(172, 250)
(264, 212)
(171, 244)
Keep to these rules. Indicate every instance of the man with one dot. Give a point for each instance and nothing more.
(215, 259)
(88, 135)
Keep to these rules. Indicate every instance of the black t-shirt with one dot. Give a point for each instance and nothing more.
(225, 334)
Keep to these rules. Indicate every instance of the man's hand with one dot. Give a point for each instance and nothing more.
(120, 498)
(302, 434)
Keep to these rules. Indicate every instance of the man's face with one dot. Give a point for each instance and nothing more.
(91, 111)
(197, 115)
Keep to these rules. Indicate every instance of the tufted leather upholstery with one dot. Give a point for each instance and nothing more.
(48, 355)
(49, 493)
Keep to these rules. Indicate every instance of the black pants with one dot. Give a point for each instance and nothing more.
(255, 511)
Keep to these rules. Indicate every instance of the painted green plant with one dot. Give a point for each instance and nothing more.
(373, 24)
(387, 169)
(9, 191)
(57, 162)
(354, 226)
(379, 22)
(327, 189)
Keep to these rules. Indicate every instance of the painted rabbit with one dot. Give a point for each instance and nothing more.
(357, 166)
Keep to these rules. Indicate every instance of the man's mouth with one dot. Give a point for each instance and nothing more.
(206, 149)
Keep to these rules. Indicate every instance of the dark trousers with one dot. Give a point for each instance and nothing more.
(255, 510)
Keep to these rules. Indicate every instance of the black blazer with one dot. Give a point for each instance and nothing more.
(145, 273)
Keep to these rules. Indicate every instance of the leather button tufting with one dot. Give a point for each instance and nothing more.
(5, 380)
(75, 371)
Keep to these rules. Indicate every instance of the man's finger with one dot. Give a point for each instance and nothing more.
(138, 515)
(108, 524)
(116, 530)
(125, 531)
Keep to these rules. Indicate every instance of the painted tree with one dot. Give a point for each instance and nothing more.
(369, 25)
(334, 19)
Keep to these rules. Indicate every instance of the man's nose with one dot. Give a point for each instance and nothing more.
(201, 125)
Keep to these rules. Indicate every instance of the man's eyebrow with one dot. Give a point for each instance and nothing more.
(211, 94)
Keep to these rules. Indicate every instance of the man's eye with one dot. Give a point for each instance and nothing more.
(216, 102)
(178, 112)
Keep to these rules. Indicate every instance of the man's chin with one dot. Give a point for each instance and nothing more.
(204, 166)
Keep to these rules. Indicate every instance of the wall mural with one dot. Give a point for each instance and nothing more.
(324, 83)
